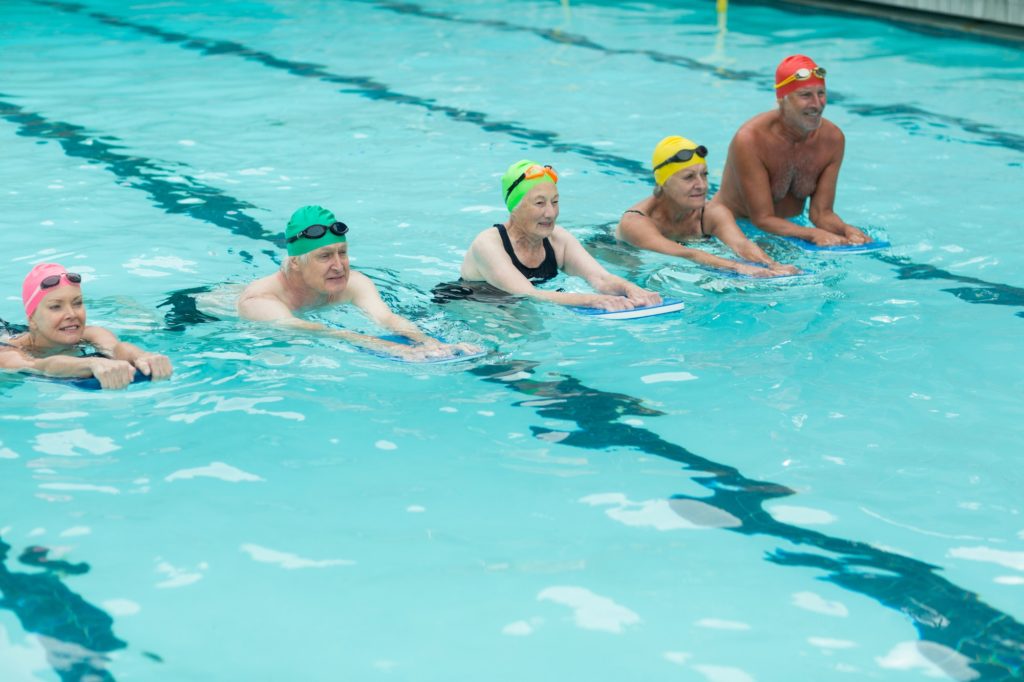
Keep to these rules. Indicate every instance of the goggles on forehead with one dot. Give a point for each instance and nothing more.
(318, 231)
(532, 173)
(802, 75)
(684, 155)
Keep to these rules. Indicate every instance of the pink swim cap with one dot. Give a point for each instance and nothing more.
(32, 292)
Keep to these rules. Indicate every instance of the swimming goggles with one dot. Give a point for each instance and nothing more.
(54, 280)
(532, 173)
(684, 155)
(802, 75)
(318, 231)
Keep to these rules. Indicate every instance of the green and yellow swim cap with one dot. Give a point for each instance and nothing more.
(521, 177)
(664, 160)
(301, 240)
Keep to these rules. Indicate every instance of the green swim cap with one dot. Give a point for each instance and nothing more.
(312, 215)
(521, 177)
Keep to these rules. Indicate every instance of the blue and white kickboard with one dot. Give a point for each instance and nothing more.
(397, 338)
(669, 305)
(92, 383)
(874, 245)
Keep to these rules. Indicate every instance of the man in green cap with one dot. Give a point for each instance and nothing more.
(316, 274)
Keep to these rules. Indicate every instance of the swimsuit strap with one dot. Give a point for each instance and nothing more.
(548, 268)
(633, 210)
(702, 233)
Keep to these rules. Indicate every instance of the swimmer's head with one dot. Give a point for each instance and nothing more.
(795, 72)
(311, 227)
(521, 177)
(673, 154)
(43, 279)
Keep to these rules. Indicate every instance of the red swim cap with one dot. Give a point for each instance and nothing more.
(789, 67)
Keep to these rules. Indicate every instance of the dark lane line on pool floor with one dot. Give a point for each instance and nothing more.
(941, 612)
(906, 116)
(364, 86)
(990, 293)
(202, 202)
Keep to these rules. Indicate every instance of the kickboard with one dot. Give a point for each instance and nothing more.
(92, 383)
(397, 338)
(669, 305)
(875, 245)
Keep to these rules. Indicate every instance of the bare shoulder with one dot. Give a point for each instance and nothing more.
(357, 281)
(487, 236)
(637, 219)
(263, 299)
(98, 336)
(13, 356)
(830, 132)
(755, 128)
(265, 287)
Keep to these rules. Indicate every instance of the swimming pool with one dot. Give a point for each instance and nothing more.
(811, 481)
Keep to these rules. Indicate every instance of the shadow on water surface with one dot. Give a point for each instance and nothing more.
(74, 633)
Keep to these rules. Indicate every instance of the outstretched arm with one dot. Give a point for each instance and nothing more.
(487, 260)
(154, 365)
(110, 373)
(271, 309)
(578, 262)
(822, 201)
(641, 231)
(723, 226)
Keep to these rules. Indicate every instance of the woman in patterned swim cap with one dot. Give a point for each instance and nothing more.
(58, 340)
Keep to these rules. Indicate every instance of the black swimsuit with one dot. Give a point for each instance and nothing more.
(548, 268)
(702, 234)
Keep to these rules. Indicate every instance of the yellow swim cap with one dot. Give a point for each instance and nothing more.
(673, 154)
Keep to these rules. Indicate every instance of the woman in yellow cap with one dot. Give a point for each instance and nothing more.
(530, 248)
(676, 212)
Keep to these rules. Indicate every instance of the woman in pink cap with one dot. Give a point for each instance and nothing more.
(56, 342)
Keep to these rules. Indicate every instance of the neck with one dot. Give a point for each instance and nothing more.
(672, 210)
(298, 293)
(518, 235)
(41, 347)
(791, 132)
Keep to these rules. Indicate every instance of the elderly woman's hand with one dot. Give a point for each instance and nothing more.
(642, 298)
(608, 302)
(112, 373)
(153, 365)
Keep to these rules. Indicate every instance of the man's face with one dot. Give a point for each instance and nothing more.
(803, 108)
(326, 269)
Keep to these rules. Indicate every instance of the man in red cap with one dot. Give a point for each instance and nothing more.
(779, 158)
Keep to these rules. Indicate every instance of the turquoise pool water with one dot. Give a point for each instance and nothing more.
(812, 480)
